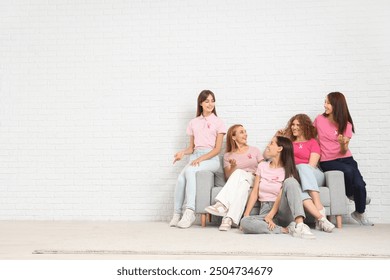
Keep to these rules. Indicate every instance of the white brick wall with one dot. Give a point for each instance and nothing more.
(95, 95)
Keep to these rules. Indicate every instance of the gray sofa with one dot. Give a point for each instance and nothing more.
(209, 184)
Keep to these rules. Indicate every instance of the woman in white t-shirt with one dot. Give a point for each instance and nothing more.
(240, 163)
(206, 133)
(335, 128)
(277, 188)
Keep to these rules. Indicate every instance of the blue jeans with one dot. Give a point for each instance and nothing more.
(354, 183)
(186, 183)
(311, 179)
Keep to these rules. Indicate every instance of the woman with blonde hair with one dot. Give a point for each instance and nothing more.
(240, 163)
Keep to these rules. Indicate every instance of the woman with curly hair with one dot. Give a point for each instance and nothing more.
(307, 153)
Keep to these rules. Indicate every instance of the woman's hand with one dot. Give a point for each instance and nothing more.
(233, 163)
(344, 141)
(178, 156)
(270, 222)
(280, 132)
(196, 162)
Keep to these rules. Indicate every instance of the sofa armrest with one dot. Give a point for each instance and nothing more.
(335, 182)
(204, 184)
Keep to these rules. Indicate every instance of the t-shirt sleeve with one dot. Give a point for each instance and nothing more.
(221, 128)
(258, 170)
(315, 147)
(189, 129)
(348, 130)
(259, 155)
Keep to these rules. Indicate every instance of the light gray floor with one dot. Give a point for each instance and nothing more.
(156, 240)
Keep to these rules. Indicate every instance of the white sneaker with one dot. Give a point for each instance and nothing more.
(175, 220)
(291, 227)
(226, 224)
(361, 219)
(218, 209)
(325, 225)
(187, 220)
(323, 213)
(301, 230)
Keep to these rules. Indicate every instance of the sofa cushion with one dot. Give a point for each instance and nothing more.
(219, 179)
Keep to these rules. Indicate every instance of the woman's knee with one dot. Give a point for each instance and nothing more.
(291, 184)
(304, 168)
(190, 171)
(252, 225)
(181, 180)
(246, 224)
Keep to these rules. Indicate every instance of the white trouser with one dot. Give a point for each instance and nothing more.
(234, 194)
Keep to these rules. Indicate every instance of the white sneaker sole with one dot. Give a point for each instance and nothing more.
(214, 212)
(185, 225)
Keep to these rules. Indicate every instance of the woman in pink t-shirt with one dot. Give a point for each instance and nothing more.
(240, 163)
(277, 188)
(307, 152)
(206, 133)
(335, 128)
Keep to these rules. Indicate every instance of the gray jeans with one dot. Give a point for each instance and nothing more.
(290, 207)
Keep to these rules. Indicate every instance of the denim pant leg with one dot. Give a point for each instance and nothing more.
(354, 183)
(186, 182)
(256, 224)
(291, 205)
(311, 179)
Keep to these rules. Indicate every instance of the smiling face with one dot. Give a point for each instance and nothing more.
(328, 107)
(208, 105)
(272, 149)
(296, 128)
(240, 136)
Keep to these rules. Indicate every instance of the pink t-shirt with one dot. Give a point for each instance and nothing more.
(247, 161)
(327, 137)
(205, 131)
(271, 181)
(303, 150)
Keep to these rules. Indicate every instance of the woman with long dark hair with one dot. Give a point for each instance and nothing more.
(277, 188)
(206, 133)
(335, 128)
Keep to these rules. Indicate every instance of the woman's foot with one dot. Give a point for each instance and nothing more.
(218, 209)
(325, 225)
(300, 230)
(187, 220)
(226, 224)
(361, 219)
(323, 214)
(175, 219)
